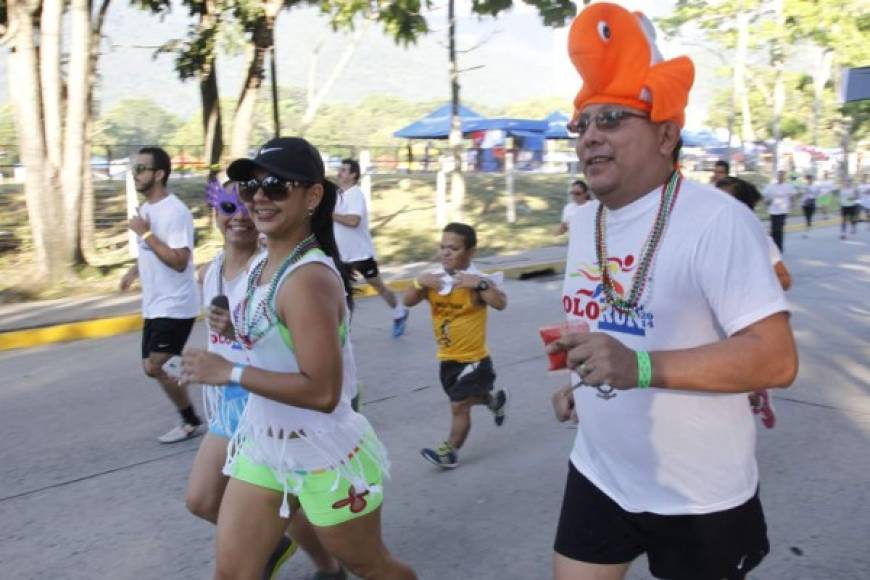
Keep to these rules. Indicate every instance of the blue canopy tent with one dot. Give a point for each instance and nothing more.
(436, 125)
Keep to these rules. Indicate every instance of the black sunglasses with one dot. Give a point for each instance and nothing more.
(137, 169)
(604, 121)
(275, 188)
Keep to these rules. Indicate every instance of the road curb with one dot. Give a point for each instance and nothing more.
(69, 331)
(115, 325)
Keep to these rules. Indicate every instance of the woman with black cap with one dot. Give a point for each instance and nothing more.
(299, 441)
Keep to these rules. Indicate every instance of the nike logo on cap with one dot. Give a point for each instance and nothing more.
(269, 150)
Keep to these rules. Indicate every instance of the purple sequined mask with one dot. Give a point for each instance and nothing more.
(225, 200)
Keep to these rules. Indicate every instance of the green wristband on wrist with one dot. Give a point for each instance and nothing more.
(644, 369)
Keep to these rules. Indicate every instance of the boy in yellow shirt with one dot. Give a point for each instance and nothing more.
(458, 297)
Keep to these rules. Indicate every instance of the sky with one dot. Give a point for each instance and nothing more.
(519, 58)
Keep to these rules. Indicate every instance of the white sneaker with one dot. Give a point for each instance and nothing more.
(181, 433)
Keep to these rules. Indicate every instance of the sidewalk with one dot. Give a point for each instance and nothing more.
(30, 324)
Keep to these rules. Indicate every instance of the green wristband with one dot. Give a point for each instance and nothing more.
(644, 369)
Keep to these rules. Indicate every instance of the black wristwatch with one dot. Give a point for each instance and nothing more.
(482, 286)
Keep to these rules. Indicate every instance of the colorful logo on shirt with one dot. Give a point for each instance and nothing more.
(588, 301)
(216, 338)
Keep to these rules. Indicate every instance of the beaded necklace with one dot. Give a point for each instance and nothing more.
(628, 305)
(247, 324)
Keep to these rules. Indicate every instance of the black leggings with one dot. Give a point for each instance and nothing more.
(777, 223)
(809, 208)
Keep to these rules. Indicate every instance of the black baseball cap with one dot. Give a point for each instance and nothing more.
(285, 157)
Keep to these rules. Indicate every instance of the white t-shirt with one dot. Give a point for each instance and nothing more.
(779, 195)
(167, 293)
(670, 451)
(811, 193)
(848, 196)
(569, 211)
(864, 189)
(354, 244)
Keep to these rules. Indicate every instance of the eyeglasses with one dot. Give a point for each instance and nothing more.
(137, 169)
(604, 121)
(275, 188)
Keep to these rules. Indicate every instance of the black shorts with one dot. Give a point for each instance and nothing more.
(849, 211)
(368, 268)
(727, 544)
(165, 335)
(463, 380)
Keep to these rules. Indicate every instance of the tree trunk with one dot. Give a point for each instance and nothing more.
(778, 61)
(273, 79)
(212, 126)
(243, 118)
(42, 183)
(316, 98)
(261, 40)
(457, 181)
(740, 60)
(74, 146)
(86, 242)
(50, 77)
(821, 74)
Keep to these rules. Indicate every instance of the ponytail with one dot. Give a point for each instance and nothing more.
(323, 230)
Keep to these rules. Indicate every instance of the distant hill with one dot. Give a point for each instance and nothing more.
(521, 59)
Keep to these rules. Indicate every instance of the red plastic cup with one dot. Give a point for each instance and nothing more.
(559, 359)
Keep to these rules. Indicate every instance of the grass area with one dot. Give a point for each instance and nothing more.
(402, 220)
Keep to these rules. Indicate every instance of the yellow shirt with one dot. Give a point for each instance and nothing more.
(459, 325)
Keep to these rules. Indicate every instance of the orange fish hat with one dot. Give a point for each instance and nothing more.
(614, 51)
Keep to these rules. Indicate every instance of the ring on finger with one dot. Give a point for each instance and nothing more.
(584, 369)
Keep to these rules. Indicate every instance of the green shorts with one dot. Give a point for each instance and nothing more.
(323, 506)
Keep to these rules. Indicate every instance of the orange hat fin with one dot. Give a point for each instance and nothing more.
(669, 82)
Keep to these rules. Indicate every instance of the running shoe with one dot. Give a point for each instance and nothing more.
(499, 407)
(181, 433)
(763, 405)
(444, 457)
(340, 575)
(283, 552)
(400, 323)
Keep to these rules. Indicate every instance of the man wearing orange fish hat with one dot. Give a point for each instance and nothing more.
(685, 317)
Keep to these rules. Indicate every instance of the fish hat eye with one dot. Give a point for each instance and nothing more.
(604, 31)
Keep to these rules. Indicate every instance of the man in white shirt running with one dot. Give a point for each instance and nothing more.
(848, 207)
(685, 317)
(354, 241)
(778, 196)
(811, 193)
(170, 297)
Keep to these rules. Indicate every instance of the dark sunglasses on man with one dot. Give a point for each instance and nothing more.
(275, 188)
(609, 120)
(137, 169)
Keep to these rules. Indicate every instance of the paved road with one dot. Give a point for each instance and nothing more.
(87, 493)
